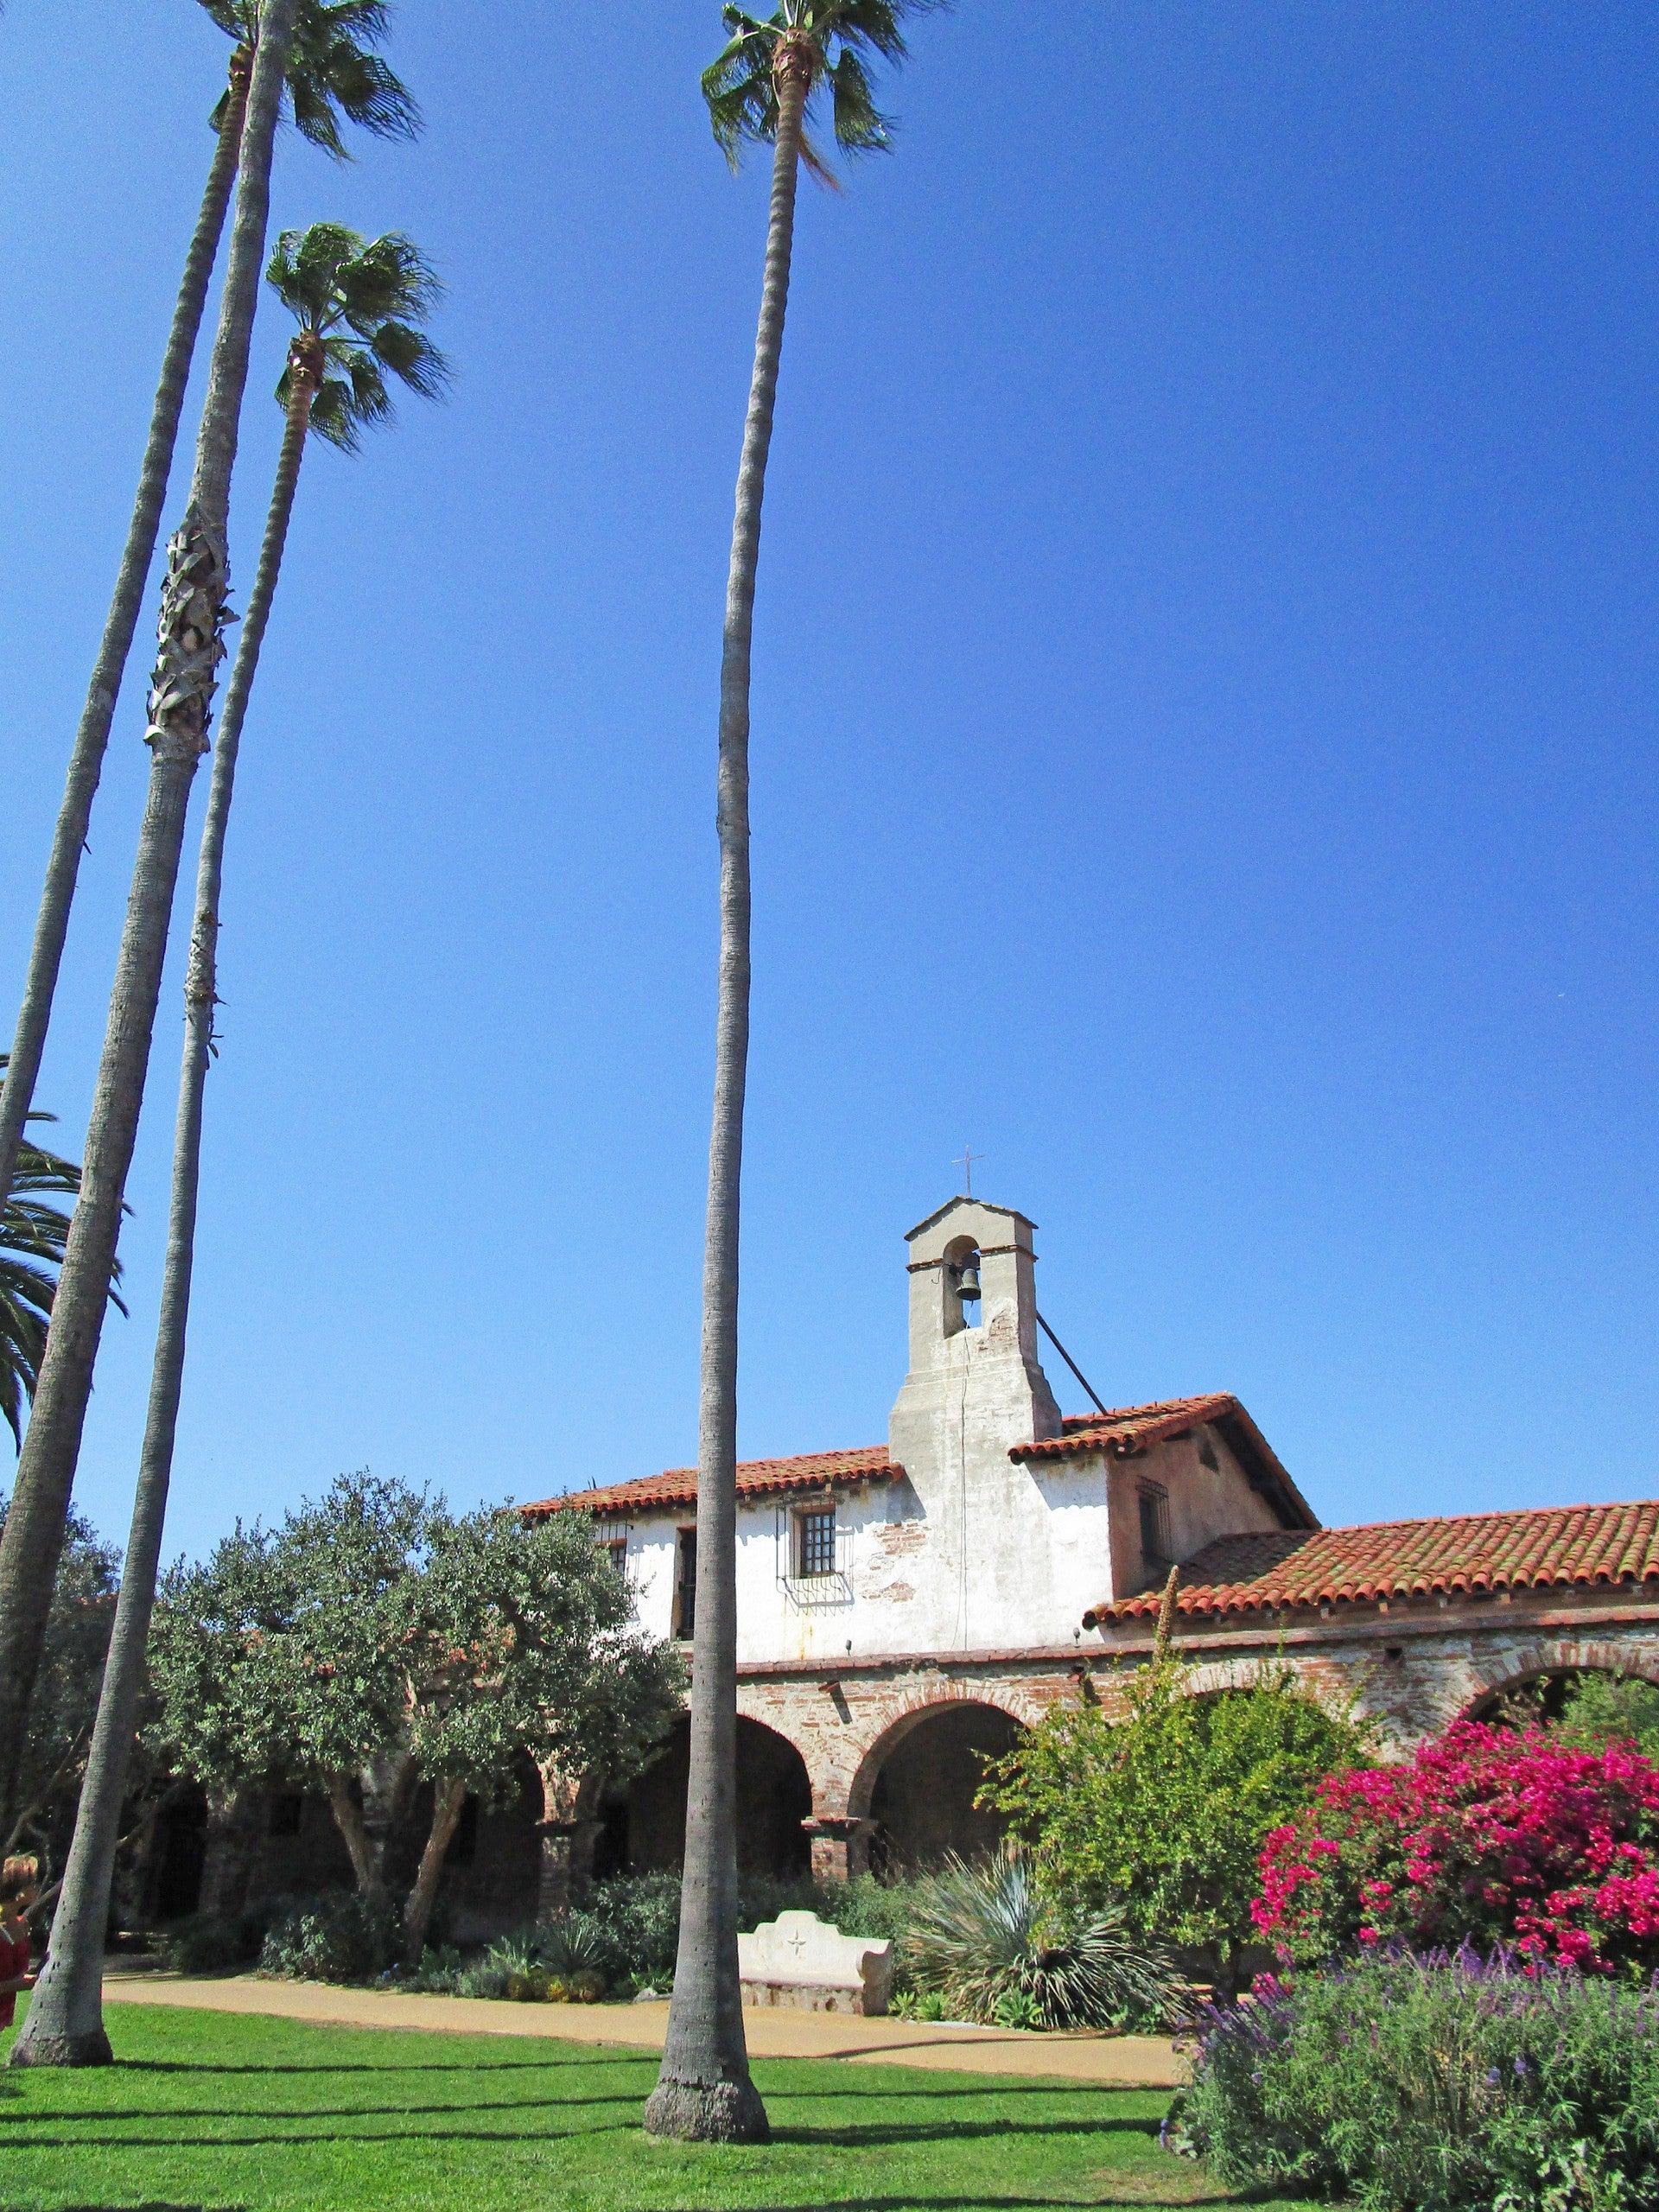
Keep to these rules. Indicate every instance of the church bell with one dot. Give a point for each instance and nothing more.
(968, 1283)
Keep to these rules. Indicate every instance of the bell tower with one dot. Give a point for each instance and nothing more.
(976, 1385)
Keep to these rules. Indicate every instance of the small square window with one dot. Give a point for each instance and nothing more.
(815, 1542)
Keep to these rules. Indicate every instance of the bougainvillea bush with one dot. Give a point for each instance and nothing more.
(1488, 1835)
(1437, 2083)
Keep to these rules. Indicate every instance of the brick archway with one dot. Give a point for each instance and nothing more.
(1488, 1679)
(853, 1780)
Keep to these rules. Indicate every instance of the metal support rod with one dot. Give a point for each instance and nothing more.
(1071, 1363)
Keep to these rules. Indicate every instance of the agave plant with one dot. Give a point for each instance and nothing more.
(984, 1939)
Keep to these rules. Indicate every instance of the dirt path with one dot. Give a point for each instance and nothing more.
(1140, 2062)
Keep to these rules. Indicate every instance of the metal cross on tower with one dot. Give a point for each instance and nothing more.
(967, 1160)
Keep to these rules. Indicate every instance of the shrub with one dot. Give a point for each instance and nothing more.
(1487, 1835)
(983, 1941)
(1444, 2083)
(1163, 1800)
(1601, 1709)
(343, 1938)
(629, 1926)
(212, 1943)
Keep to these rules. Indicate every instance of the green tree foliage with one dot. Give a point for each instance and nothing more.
(375, 1640)
(1598, 1710)
(1160, 1800)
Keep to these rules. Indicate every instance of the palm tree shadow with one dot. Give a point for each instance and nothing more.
(856, 2137)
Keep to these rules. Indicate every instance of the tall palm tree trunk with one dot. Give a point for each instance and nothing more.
(92, 736)
(64, 2026)
(192, 623)
(704, 2092)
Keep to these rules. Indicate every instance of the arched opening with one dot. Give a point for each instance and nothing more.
(922, 1794)
(1591, 1701)
(962, 1287)
(642, 1827)
(492, 1865)
(172, 1888)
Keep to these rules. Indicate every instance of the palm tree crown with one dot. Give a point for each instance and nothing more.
(359, 302)
(32, 1234)
(332, 70)
(833, 37)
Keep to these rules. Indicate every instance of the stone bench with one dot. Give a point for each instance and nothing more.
(801, 1961)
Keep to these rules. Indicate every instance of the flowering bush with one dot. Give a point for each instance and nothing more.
(1435, 2084)
(1488, 1834)
(1159, 1798)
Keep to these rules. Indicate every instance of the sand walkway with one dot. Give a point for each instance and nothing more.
(1142, 2062)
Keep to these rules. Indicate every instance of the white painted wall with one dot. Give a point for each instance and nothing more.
(971, 1551)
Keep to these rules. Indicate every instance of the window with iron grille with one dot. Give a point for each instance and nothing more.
(685, 1584)
(815, 1542)
(617, 1548)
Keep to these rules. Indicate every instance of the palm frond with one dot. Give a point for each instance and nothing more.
(742, 96)
(363, 300)
(333, 76)
(32, 1238)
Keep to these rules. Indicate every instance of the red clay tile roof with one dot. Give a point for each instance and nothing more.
(755, 1479)
(1130, 1429)
(1544, 1547)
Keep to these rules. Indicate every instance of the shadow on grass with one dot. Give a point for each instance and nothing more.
(959, 2131)
(23, 2137)
(398, 2111)
(419, 2066)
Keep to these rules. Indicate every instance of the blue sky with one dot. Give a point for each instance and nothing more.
(1204, 742)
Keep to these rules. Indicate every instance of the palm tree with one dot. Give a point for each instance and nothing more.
(759, 90)
(359, 304)
(193, 619)
(332, 76)
(32, 1233)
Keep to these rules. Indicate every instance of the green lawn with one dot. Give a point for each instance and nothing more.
(210, 2113)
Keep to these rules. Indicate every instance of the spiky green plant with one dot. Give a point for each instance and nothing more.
(998, 1952)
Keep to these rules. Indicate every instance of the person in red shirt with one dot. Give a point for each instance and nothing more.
(20, 1886)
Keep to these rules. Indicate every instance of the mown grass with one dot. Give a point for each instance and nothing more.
(217, 2113)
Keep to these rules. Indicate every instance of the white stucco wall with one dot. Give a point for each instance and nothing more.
(970, 1550)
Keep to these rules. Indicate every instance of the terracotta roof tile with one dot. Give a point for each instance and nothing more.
(1543, 1548)
(755, 1479)
(1130, 1428)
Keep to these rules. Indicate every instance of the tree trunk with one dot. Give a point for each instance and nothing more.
(227, 1847)
(92, 736)
(67, 2010)
(365, 1853)
(192, 618)
(447, 1798)
(704, 2092)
